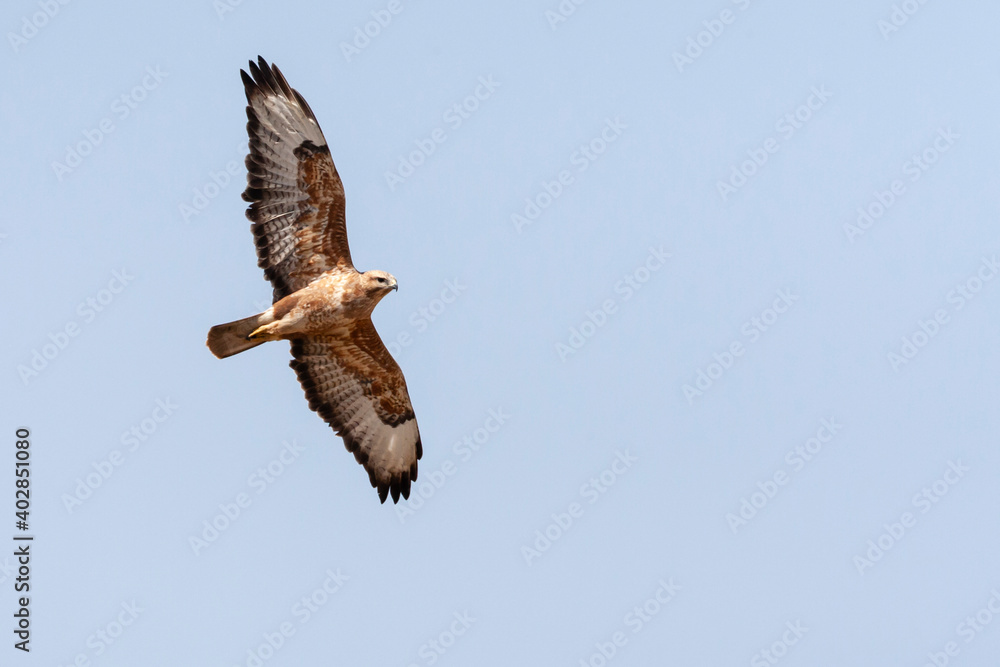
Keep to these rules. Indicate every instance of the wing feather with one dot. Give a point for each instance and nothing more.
(356, 386)
(296, 197)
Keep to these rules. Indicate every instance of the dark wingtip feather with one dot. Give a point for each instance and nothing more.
(282, 82)
(255, 74)
(248, 83)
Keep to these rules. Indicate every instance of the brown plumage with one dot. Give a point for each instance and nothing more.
(322, 304)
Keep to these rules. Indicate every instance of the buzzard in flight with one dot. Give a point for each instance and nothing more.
(322, 304)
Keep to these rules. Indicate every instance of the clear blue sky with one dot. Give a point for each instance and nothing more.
(698, 312)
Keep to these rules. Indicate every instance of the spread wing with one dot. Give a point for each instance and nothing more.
(355, 385)
(295, 194)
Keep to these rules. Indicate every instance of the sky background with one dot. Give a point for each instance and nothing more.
(643, 363)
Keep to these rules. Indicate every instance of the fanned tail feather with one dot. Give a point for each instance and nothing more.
(225, 340)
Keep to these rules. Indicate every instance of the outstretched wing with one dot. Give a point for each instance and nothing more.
(355, 385)
(295, 194)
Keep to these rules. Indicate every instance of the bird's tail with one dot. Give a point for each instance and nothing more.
(225, 340)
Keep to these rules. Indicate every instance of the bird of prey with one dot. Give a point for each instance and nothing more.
(322, 304)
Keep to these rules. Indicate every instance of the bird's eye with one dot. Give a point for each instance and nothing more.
(381, 280)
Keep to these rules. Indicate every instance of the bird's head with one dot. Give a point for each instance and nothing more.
(378, 283)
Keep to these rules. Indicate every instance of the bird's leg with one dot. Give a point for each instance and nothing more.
(265, 333)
